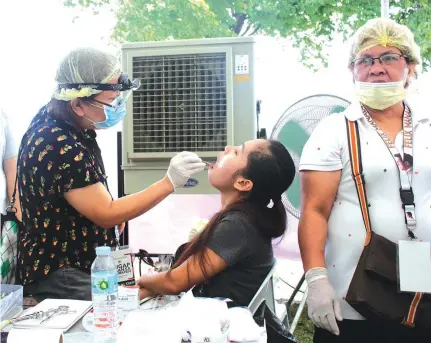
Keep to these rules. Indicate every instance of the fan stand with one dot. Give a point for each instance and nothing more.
(285, 318)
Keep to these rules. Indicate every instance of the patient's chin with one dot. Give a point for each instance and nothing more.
(215, 179)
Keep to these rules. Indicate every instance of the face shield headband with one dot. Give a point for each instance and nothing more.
(124, 84)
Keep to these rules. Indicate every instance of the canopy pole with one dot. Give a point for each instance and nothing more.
(385, 8)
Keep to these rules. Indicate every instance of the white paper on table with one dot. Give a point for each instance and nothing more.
(35, 336)
(128, 298)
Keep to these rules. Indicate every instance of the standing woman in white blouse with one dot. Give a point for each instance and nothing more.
(384, 59)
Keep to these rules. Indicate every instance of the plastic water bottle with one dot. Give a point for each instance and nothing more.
(104, 287)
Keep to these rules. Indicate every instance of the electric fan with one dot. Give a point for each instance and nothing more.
(293, 130)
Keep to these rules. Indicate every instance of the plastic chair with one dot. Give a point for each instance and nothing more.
(265, 294)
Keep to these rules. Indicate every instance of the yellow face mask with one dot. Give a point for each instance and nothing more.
(380, 95)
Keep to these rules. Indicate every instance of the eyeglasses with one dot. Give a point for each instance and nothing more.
(386, 60)
(115, 105)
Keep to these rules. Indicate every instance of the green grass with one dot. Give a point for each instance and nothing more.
(305, 330)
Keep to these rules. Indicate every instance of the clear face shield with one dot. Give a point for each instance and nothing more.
(128, 86)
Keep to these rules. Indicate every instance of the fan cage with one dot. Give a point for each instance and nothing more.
(307, 112)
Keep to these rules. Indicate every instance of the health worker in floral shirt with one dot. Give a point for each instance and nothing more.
(66, 205)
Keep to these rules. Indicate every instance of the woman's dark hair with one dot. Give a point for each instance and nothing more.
(272, 171)
(60, 109)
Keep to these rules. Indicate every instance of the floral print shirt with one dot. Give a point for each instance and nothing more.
(54, 158)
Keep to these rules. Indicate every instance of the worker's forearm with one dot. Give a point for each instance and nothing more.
(312, 234)
(16, 204)
(9, 166)
(136, 204)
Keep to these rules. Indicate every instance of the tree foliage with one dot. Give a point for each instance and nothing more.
(310, 23)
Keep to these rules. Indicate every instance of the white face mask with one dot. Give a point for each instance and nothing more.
(380, 95)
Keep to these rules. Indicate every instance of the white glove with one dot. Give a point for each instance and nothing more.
(183, 166)
(323, 304)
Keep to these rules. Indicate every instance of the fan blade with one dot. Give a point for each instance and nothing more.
(293, 193)
(337, 109)
(293, 136)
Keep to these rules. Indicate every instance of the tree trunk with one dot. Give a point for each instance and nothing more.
(240, 19)
(256, 30)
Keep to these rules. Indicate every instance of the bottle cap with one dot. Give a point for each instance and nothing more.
(103, 250)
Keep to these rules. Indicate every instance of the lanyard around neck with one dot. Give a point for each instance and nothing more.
(404, 162)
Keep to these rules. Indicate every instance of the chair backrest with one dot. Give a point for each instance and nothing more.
(265, 293)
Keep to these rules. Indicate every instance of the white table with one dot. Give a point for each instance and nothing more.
(78, 334)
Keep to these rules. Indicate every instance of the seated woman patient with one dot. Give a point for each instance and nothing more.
(233, 254)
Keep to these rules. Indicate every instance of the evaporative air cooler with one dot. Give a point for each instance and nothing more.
(196, 95)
